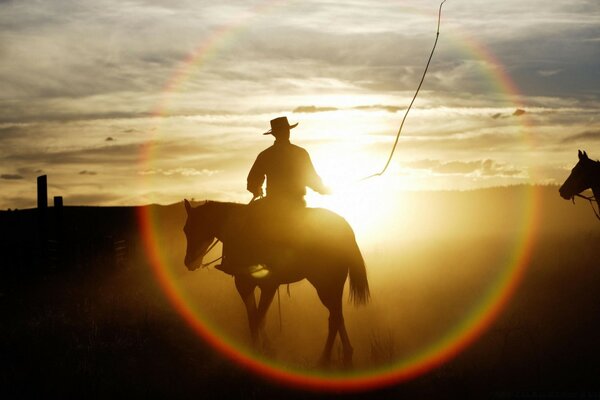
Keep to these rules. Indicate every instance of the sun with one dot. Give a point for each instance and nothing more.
(365, 203)
(343, 156)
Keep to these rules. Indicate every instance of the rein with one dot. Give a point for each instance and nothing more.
(214, 243)
(591, 199)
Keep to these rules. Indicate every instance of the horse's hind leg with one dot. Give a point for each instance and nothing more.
(346, 346)
(333, 301)
(332, 332)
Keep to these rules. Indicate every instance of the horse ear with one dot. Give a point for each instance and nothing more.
(188, 206)
(579, 154)
(585, 154)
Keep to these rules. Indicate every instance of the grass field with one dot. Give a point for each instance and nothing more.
(96, 331)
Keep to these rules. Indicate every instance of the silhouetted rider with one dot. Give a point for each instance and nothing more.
(269, 222)
(287, 168)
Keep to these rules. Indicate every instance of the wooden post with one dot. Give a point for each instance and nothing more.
(42, 208)
(42, 192)
(58, 217)
(58, 202)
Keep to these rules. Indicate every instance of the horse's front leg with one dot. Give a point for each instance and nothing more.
(246, 290)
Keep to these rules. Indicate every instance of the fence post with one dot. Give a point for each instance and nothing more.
(42, 192)
(42, 218)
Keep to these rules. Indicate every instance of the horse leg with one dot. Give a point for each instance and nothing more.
(246, 291)
(336, 314)
(346, 346)
(266, 298)
(333, 328)
(332, 299)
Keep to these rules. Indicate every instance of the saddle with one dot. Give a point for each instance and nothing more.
(268, 232)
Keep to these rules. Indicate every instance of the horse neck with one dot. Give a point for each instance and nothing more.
(595, 176)
(222, 214)
(594, 180)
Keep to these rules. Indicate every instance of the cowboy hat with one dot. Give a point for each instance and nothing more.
(278, 124)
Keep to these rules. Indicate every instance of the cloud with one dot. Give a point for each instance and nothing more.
(91, 198)
(583, 136)
(216, 153)
(85, 172)
(28, 173)
(11, 176)
(105, 154)
(313, 109)
(11, 131)
(111, 73)
(517, 113)
(370, 107)
(492, 168)
(74, 74)
(391, 109)
(549, 72)
(180, 171)
(36, 110)
(486, 168)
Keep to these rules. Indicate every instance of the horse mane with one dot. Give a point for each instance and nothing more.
(220, 205)
(218, 210)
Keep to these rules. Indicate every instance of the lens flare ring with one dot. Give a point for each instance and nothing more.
(453, 342)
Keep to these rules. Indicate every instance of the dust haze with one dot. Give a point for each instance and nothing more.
(94, 321)
(430, 267)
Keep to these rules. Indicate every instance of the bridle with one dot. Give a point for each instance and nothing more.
(215, 241)
(591, 199)
(213, 244)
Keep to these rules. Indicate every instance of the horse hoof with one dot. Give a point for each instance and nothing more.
(267, 349)
(348, 364)
(324, 363)
(347, 360)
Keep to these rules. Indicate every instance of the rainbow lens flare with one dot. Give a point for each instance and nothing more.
(472, 324)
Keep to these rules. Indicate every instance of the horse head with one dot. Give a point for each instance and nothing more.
(580, 178)
(199, 235)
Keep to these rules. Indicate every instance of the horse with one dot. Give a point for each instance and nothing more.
(585, 175)
(321, 248)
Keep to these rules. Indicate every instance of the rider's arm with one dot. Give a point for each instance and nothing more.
(313, 180)
(256, 177)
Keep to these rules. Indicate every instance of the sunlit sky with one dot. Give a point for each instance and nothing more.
(133, 102)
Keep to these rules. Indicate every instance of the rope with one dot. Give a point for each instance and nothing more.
(591, 199)
(437, 35)
(212, 262)
(214, 243)
(279, 307)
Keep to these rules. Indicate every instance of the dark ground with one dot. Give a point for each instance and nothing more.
(96, 327)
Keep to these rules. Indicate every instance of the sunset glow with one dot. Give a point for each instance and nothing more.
(145, 102)
(201, 94)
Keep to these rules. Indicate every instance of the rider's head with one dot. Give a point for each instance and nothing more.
(282, 133)
(280, 128)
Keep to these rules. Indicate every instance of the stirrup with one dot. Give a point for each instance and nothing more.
(258, 271)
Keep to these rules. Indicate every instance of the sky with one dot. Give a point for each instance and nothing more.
(136, 102)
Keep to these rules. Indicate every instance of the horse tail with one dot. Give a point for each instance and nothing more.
(359, 285)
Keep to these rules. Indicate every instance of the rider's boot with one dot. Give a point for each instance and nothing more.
(226, 267)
